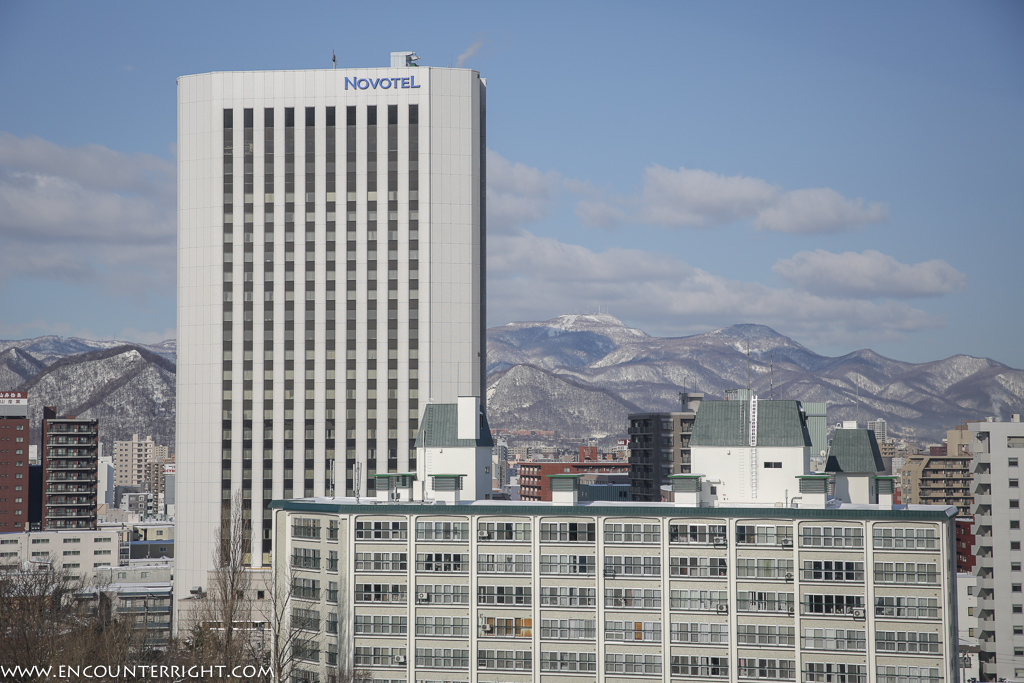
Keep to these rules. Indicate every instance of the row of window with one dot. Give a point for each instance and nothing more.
(617, 565)
(586, 532)
(642, 598)
(649, 664)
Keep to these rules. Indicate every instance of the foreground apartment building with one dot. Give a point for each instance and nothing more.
(809, 588)
(998, 448)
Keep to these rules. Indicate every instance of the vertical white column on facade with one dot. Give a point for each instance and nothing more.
(730, 550)
(277, 400)
(360, 345)
(237, 298)
(797, 632)
(599, 598)
(474, 607)
(946, 539)
(535, 579)
(401, 190)
(298, 473)
(259, 240)
(320, 302)
(666, 617)
(410, 598)
(381, 303)
(869, 596)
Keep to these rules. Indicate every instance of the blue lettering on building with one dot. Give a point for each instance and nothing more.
(380, 83)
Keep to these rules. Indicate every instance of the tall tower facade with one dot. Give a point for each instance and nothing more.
(330, 283)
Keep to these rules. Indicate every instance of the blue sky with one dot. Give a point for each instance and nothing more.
(851, 174)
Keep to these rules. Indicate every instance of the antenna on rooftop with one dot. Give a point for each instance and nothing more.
(771, 376)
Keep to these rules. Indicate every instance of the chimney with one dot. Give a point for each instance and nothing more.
(565, 488)
(469, 417)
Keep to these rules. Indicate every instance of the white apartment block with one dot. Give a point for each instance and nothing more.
(486, 591)
(744, 576)
(330, 283)
(82, 554)
(998, 448)
(132, 457)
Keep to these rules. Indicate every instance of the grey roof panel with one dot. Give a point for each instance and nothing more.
(727, 423)
(854, 451)
(439, 428)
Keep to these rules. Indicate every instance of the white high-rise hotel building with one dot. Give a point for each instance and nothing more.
(330, 283)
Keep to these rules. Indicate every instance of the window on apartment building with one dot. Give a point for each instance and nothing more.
(1014, 545)
(1018, 630)
(1014, 503)
(1015, 566)
(1018, 609)
(1014, 523)
(1012, 462)
(1016, 588)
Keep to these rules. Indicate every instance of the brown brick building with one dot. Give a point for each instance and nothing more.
(533, 476)
(14, 440)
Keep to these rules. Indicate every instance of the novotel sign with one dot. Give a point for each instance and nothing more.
(380, 83)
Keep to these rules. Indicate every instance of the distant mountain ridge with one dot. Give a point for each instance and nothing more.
(129, 388)
(605, 359)
(580, 375)
(52, 348)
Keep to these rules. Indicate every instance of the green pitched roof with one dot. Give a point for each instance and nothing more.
(727, 423)
(854, 451)
(439, 428)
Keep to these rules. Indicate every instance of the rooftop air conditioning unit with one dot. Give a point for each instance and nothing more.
(719, 540)
(791, 609)
(483, 535)
(488, 628)
(787, 543)
(858, 613)
(789, 576)
(723, 609)
(399, 659)
(423, 597)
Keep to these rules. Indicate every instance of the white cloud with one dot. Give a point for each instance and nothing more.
(517, 194)
(87, 215)
(695, 198)
(535, 278)
(818, 210)
(690, 197)
(868, 274)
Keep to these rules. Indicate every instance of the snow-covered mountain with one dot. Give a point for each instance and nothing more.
(612, 366)
(52, 348)
(129, 388)
(580, 375)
